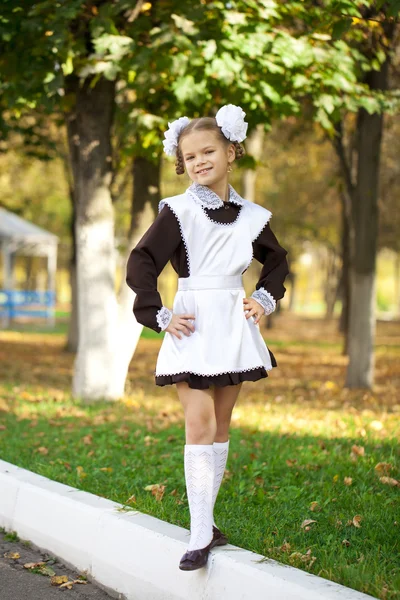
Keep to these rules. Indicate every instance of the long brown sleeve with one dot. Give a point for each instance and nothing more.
(146, 262)
(268, 251)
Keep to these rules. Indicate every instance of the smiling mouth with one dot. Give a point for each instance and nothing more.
(203, 171)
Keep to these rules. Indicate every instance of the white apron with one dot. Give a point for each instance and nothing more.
(224, 341)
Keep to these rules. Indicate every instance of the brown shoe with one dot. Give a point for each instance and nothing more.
(195, 559)
(219, 538)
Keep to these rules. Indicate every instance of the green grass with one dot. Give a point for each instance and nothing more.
(272, 479)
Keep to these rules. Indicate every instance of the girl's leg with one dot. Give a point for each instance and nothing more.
(200, 426)
(224, 401)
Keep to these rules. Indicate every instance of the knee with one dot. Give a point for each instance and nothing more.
(201, 430)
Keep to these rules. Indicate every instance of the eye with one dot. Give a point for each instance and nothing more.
(189, 158)
(209, 151)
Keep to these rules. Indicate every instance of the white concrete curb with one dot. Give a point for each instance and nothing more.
(137, 555)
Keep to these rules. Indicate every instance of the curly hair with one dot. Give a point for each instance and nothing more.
(204, 124)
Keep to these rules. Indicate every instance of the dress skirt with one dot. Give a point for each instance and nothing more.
(225, 348)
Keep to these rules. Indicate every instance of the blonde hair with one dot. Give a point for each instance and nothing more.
(204, 124)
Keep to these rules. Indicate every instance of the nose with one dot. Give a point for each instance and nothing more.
(200, 160)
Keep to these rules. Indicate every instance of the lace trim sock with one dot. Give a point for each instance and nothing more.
(199, 475)
(220, 450)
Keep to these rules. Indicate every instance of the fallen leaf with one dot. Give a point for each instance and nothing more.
(58, 579)
(42, 450)
(33, 565)
(389, 481)
(106, 469)
(14, 555)
(356, 520)
(348, 480)
(383, 467)
(81, 472)
(307, 522)
(314, 506)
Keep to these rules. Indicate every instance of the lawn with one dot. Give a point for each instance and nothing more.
(313, 473)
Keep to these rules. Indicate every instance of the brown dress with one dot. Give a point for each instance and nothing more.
(163, 242)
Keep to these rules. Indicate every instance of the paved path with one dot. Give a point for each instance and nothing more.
(18, 583)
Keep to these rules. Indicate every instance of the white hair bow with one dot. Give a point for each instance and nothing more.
(172, 135)
(231, 120)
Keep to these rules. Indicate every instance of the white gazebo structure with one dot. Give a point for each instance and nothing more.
(20, 237)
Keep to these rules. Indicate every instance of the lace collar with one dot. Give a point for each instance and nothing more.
(205, 196)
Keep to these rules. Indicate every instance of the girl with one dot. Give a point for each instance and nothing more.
(212, 339)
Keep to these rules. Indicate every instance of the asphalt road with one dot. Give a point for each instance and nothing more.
(20, 583)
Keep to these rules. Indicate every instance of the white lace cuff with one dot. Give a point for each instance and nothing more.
(266, 300)
(164, 316)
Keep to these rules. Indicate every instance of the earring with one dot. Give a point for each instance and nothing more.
(229, 168)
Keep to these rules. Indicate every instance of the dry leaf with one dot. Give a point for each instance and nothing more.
(314, 506)
(87, 439)
(33, 565)
(81, 472)
(58, 579)
(13, 555)
(307, 522)
(157, 489)
(357, 451)
(106, 469)
(348, 480)
(67, 584)
(389, 481)
(346, 543)
(291, 461)
(356, 520)
(42, 450)
(383, 467)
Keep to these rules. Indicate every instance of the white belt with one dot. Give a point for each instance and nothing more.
(204, 282)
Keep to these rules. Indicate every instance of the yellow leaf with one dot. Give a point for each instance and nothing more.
(58, 579)
(335, 478)
(13, 555)
(81, 472)
(106, 469)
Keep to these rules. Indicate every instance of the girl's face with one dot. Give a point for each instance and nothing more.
(206, 157)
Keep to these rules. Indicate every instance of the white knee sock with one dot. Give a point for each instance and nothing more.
(220, 450)
(199, 475)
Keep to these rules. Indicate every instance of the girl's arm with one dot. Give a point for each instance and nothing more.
(145, 264)
(269, 287)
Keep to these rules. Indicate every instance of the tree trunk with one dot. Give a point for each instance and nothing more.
(345, 275)
(254, 147)
(73, 330)
(89, 127)
(360, 372)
